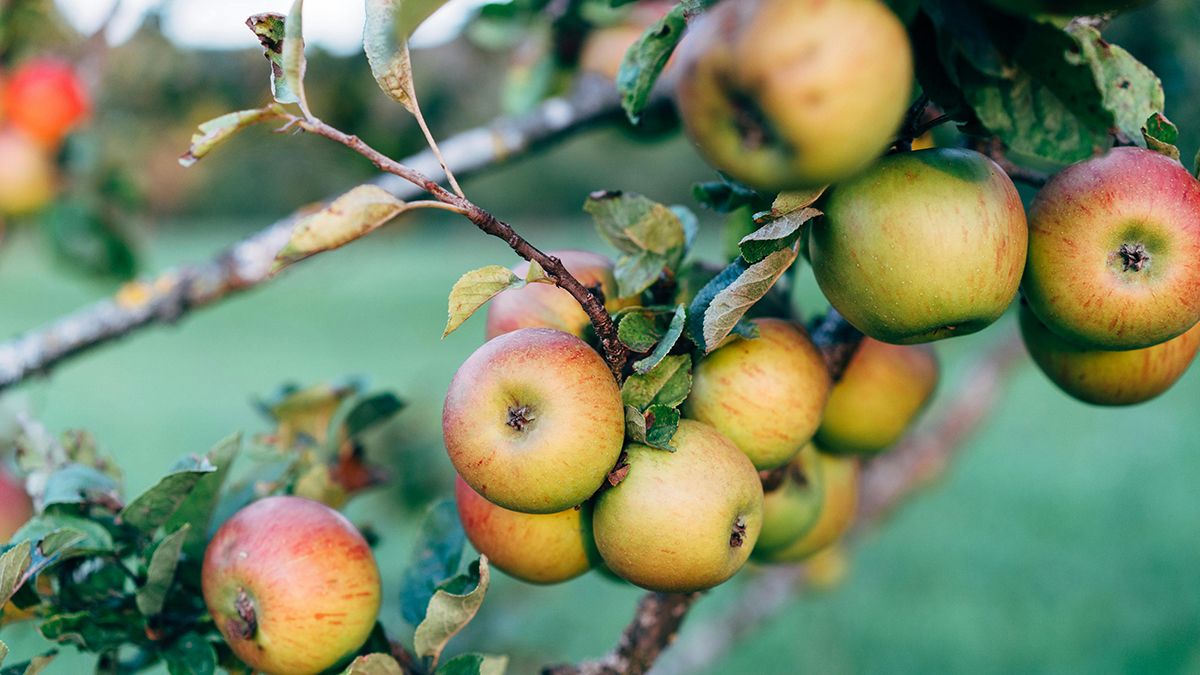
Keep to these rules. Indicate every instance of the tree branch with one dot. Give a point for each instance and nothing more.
(247, 264)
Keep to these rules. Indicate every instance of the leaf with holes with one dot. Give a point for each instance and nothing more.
(351, 216)
(268, 28)
(216, 131)
(450, 610)
(1130, 91)
(474, 289)
(668, 383)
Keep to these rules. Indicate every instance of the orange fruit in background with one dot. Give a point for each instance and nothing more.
(27, 174)
(45, 98)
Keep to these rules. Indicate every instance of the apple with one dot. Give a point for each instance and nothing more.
(546, 306)
(922, 246)
(883, 389)
(533, 421)
(15, 505)
(1066, 7)
(681, 521)
(792, 508)
(839, 505)
(291, 585)
(27, 176)
(827, 568)
(1114, 245)
(1106, 377)
(766, 394)
(787, 94)
(538, 548)
(45, 99)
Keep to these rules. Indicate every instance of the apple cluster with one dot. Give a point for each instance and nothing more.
(41, 101)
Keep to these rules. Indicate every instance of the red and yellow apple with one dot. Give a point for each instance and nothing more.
(546, 306)
(838, 481)
(15, 506)
(291, 585)
(27, 175)
(766, 394)
(539, 548)
(46, 99)
(1108, 378)
(681, 521)
(922, 246)
(785, 94)
(1114, 251)
(533, 421)
(882, 391)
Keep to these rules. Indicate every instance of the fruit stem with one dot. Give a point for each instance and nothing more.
(1134, 257)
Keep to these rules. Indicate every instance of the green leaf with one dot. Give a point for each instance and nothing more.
(661, 424)
(14, 564)
(777, 235)
(645, 60)
(351, 216)
(88, 238)
(191, 654)
(436, 555)
(790, 203)
(374, 664)
(95, 538)
(474, 289)
(216, 131)
(1131, 92)
(93, 631)
(704, 297)
(155, 506)
(388, 25)
(730, 304)
(728, 195)
(293, 60)
(197, 509)
(77, 484)
(371, 412)
(666, 384)
(450, 612)
(650, 235)
(269, 28)
(1160, 135)
(160, 572)
(665, 344)
(639, 330)
(474, 664)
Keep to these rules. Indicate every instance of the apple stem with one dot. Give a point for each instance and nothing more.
(246, 625)
(519, 418)
(1134, 257)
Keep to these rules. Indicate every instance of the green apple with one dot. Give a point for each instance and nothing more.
(533, 421)
(1104, 377)
(766, 394)
(681, 521)
(792, 508)
(785, 94)
(1066, 7)
(839, 504)
(1113, 248)
(546, 306)
(291, 585)
(535, 547)
(922, 246)
(882, 391)
(15, 505)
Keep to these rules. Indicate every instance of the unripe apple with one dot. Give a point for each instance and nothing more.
(538, 548)
(882, 391)
(45, 99)
(792, 508)
(922, 246)
(1113, 248)
(839, 505)
(26, 174)
(291, 585)
(766, 394)
(546, 306)
(15, 505)
(533, 421)
(1066, 7)
(785, 94)
(681, 521)
(1108, 378)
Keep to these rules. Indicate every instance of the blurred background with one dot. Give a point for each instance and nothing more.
(1064, 539)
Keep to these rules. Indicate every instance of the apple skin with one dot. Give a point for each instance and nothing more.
(546, 306)
(538, 548)
(533, 421)
(771, 100)
(45, 99)
(27, 175)
(681, 521)
(838, 478)
(922, 246)
(766, 395)
(1114, 251)
(792, 508)
(1066, 7)
(305, 573)
(1108, 378)
(883, 390)
(15, 506)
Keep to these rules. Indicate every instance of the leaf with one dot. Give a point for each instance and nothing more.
(450, 612)
(788, 203)
(155, 506)
(1160, 135)
(77, 484)
(92, 631)
(645, 60)
(269, 29)
(474, 664)
(94, 537)
(14, 564)
(305, 413)
(666, 384)
(474, 289)
(728, 195)
(86, 236)
(22, 562)
(777, 235)
(371, 412)
(436, 555)
(705, 296)
(190, 654)
(650, 235)
(216, 131)
(1131, 92)
(374, 664)
(293, 61)
(730, 304)
(355, 214)
(388, 25)
(639, 331)
(655, 427)
(198, 507)
(665, 344)
(160, 572)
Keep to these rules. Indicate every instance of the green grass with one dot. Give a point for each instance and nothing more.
(1064, 540)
